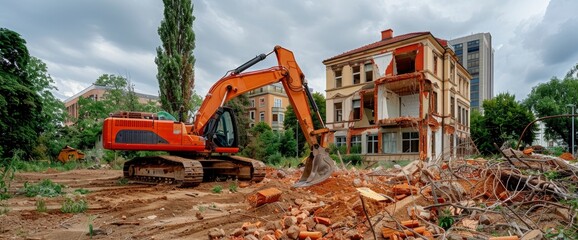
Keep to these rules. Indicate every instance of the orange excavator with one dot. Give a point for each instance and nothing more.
(205, 150)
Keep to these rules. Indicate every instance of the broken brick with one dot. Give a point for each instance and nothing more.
(264, 196)
(322, 220)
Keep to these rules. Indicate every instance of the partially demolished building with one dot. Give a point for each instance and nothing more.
(403, 97)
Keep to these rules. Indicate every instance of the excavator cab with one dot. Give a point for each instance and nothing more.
(221, 130)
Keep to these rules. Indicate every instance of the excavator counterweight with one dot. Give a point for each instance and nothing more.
(206, 149)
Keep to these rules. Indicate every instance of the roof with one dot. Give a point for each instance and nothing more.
(384, 43)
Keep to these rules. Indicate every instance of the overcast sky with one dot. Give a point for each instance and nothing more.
(80, 40)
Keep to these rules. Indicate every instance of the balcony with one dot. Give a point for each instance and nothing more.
(277, 110)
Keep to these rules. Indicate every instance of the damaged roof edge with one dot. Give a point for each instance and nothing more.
(385, 42)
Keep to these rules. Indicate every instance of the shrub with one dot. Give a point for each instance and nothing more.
(233, 187)
(354, 159)
(72, 206)
(82, 191)
(41, 205)
(217, 189)
(46, 188)
(274, 158)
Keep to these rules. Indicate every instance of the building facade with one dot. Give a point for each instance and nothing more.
(475, 52)
(96, 92)
(403, 97)
(268, 104)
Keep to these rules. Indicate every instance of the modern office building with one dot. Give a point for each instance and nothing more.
(476, 54)
(268, 104)
(402, 97)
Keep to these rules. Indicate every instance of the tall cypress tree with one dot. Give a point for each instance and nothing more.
(175, 60)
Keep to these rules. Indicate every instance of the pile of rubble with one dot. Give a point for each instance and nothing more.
(521, 195)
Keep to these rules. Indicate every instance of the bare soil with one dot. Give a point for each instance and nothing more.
(141, 211)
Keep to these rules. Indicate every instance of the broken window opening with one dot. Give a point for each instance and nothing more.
(356, 109)
(356, 74)
(369, 106)
(338, 112)
(405, 63)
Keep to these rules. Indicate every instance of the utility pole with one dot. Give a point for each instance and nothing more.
(572, 133)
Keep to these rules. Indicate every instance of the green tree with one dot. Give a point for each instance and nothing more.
(503, 121)
(53, 112)
(288, 143)
(291, 119)
(20, 105)
(479, 133)
(552, 98)
(175, 60)
(239, 106)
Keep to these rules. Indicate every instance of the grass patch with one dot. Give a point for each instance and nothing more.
(82, 191)
(217, 189)
(46, 188)
(72, 206)
(4, 210)
(41, 205)
(233, 187)
(122, 181)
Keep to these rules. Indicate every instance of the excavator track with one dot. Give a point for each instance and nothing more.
(233, 167)
(164, 169)
(187, 172)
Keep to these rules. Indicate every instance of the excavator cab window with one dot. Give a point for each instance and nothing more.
(221, 129)
(225, 134)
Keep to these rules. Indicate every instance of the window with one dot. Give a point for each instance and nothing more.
(340, 141)
(252, 115)
(262, 116)
(368, 72)
(460, 114)
(278, 103)
(356, 75)
(261, 102)
(410, 142)
(252, 103)
(372, 146)
(459, 49)
(338, 78)
(435, 64)
(452, 72)
(338, 112)
(434, 102)
(281, 117)
(389, 143)
(467, 118)
(355, 144)
(433, 145)
(453, 107)
(474, 46)
(275, 117)
(356, 109)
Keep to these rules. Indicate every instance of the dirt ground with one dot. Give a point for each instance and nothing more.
(151, 211)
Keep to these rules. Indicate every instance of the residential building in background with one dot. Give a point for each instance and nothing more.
(402, 97)
(476, 54)
(96, 92)
(268, 104)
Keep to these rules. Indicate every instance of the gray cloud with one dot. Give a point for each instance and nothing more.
(81, 40)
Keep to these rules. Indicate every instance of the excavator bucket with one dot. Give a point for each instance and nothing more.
(318, 167)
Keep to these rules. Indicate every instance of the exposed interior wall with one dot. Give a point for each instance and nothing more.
(410, 105)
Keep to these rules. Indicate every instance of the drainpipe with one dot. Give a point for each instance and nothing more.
(444, 99)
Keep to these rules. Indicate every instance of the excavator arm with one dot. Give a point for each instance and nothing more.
(237, 83)
(319, 165)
